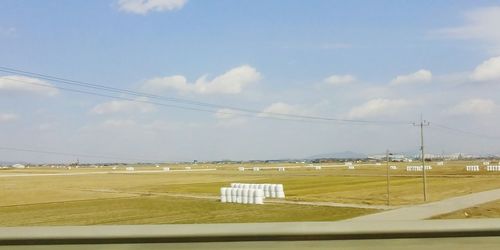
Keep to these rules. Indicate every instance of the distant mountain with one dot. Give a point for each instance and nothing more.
(339, 155)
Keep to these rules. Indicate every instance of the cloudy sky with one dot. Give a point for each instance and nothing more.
(356, 60)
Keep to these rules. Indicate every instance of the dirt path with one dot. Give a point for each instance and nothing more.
(272, 201)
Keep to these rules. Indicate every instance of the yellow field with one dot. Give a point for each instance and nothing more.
(106, 196)
(488, 210)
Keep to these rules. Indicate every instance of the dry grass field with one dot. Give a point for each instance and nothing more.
(488, 210)
(87, 196)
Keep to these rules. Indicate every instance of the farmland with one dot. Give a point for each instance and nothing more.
(148, 195)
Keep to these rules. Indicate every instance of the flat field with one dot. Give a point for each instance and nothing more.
(488, 210)
(148, 195)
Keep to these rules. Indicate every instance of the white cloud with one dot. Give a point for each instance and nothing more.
(231, 82)
(421, 76)
(144, 6)
(336, 80)
(229, 118)
(119, 106)
(46, 126)
(473, 107)
(7, 31)
(17, 83)
(225, 114)
(8, 117)
(283, 108)
(480, 24)
(377, 107)
(488, 70)
(112, 123)
(164, 126)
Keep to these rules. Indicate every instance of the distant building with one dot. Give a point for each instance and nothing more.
(18, 166)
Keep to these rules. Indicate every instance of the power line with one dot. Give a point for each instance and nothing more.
(461, 131)
(188, 102)
(165, 105)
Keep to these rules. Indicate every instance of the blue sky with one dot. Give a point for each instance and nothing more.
(385, 60)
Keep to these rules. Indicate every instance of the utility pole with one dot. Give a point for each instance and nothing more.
(424, 177)
(388, 179)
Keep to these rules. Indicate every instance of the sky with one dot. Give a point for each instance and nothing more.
(354, 60)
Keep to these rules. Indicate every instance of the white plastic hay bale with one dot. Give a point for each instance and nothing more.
(273, 190)
(229, 194)
(260, 186)
(317, 167)
(259, 197)
(114, 168)
(256, 169)
(187, 168)
(267, 192)
(223, 195)
(245, 196)
(486, 163)
(234, 194)
(233, 184)
(166, 169)
(157, 165)
(440, 163)
(241, 169)
(246, 186)
(393, 167)
(251, 196)
(239, 195)
(350, 167)
(129, 168)
(280, 192)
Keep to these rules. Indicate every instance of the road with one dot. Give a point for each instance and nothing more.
(428, 210)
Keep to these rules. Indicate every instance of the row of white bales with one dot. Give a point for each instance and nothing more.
(489, 168)
(247, 193)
